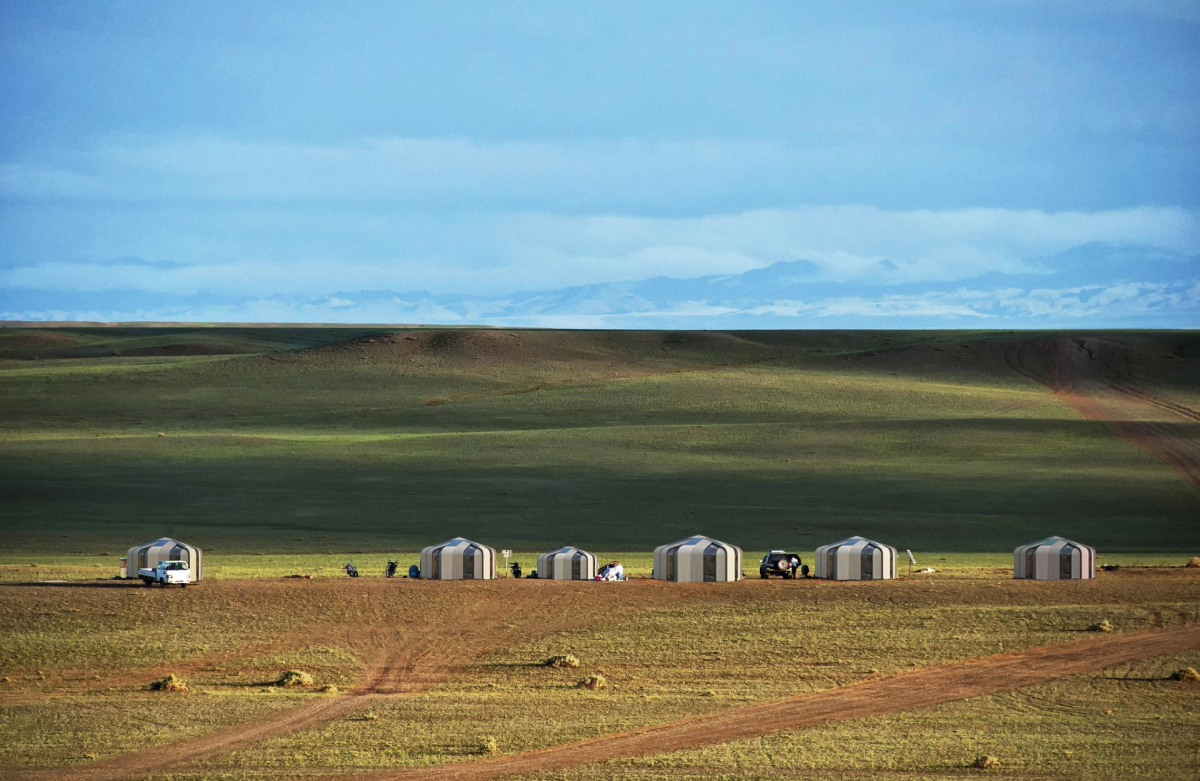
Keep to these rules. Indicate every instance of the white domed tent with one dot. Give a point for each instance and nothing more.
(1054, 559)
(698, 559)
(151, 553)
(567, 563)
(458, 559)
(855, 558)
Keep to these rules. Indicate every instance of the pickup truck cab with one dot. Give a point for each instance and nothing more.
(167, 573)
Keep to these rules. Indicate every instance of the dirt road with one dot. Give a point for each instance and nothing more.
(919, 689)
(406, 660)
(1092, 375)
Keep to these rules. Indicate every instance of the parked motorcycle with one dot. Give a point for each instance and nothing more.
(391, 569)
(351, 570)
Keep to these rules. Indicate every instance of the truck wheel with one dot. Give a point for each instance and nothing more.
(183, 585)
(147, 581)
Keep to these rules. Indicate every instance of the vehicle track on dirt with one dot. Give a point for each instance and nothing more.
(406, 660)
(904, 692)
(1077, 373)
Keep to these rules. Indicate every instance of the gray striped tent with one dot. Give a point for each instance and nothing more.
(698, 559)
(166, 549)
(567, 563)
(458, 559)
(855, 558)
(1054, 559)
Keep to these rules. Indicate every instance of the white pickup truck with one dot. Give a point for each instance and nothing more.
(167, 573)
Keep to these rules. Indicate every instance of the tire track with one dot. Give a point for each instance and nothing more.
(1096, 391)
(907, 691)
(407, 661)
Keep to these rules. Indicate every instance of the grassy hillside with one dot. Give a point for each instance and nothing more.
(333, 440)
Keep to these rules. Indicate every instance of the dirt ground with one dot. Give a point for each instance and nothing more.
(918, 689)
(402, 628)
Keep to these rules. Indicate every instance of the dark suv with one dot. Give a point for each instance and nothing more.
(785, 565)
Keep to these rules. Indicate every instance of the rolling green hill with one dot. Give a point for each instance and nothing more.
(308, 440)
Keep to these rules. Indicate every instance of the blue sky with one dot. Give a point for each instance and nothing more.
(440, 162)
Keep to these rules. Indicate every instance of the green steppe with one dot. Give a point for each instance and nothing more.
(332, 441)
(290, 450)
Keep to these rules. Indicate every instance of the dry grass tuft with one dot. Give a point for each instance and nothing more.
(1103, 626)
(296, 678)
(987, 762)
(488, 746)
(1193, 563)
(563, 660)
(329, 688)
(172, 683)
(1187, 675)
(594, 682)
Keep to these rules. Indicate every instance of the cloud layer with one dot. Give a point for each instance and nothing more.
(223, 160)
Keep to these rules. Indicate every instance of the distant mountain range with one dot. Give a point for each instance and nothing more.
(1100, 283)
(1089, 285)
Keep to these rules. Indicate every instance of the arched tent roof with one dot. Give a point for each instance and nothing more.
(698, 559)
(855, 558)
(150, 554)
(1054, 558)
(458, 559)
(567, 563)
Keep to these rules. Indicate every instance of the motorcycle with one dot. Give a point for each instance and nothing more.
(351, 570)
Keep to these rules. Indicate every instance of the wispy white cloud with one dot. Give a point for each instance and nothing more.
(143, 168)
(263, 254)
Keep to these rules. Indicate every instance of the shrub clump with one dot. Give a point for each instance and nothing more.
(594, 682)
(1193, 563)
(563, 660)
(1187, 675)
(987, 762)
(172, 683)
(489, 746)
(329, 688)
(296, 678)
(1103, 626)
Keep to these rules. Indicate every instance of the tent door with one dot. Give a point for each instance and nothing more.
(831, 564)
(671, 554)
(710, 563)
(435, 562)
(1064, 564)
(868, 563)
(1031, 564)
(576, 564)
(469, 562)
